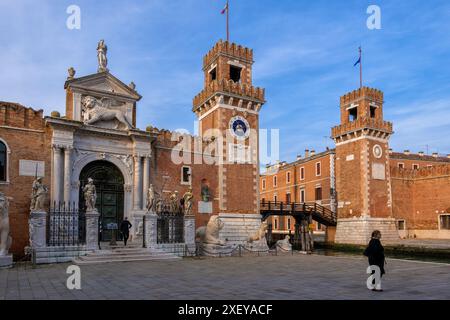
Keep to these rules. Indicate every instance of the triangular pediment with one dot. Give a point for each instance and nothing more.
(102, 83)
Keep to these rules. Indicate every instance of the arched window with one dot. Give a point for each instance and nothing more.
(3, 162)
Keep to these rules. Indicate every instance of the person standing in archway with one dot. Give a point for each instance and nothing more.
(125, 229)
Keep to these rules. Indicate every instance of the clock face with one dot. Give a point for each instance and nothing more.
(377, 151)
(239, 128)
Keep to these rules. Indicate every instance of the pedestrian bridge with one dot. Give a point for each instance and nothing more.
(300, 211)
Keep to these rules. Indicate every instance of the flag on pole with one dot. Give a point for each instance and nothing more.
(225, 9)
(357, 62)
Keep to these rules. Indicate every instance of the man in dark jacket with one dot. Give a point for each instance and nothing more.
(375, 253)
(125, 229)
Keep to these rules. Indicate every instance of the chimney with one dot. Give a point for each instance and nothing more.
(299, 157)
(448, 157)
(390, 151)
(421, 153)
(306, 153)
(407, 152)
(435, 155)
(313, 152)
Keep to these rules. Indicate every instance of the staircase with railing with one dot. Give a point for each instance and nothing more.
(317, 212)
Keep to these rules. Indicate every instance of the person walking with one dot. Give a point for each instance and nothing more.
(125, 229)
(375, 253)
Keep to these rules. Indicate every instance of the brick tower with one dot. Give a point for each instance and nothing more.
(228, 110)
(363, 182)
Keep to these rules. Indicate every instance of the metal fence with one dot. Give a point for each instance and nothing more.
(66, 225)
(170, 228)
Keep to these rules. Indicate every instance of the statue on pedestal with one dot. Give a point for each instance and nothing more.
(188, 198)
(174, 202)
(90, 195)
(151, 200)
(38, 195)
(102, 49)
(5, 238)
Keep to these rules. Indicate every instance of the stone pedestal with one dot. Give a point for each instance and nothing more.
(6, 261)
(239, 227)
(37, 227)
(189, 232)
(258, 246)
(213, 250)
(151, 236)
(138, 226)
(92, 229)
(359, 230)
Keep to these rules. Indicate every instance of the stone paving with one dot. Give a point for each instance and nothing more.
(260, 278)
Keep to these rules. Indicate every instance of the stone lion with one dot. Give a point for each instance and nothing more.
(96, 111)
(210, 233)
(5, 238)
(260, 234)
(285, 243)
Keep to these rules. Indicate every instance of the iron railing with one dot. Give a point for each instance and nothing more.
(170, 228)
(66, 225)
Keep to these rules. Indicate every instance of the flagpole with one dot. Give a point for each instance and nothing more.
(360, 68)
(228, 20)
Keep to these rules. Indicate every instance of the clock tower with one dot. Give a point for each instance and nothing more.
(363, 181)
(228, 112)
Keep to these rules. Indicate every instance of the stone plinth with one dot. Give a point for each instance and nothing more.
(92, 229)
(37, 227)
(214, 250)
(359, 230)
(6, 261)
(151, 236)
(239, 227)
(189, 232)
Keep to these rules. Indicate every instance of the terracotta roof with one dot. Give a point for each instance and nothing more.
(403, 156)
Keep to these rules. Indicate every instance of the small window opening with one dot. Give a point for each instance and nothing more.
(353, 114)
(213, 74)
(235, 73)
(372, 111)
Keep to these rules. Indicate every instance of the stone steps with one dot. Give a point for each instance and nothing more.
(124, 255)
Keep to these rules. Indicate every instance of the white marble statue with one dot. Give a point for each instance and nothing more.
(90, 195)
(285, 244)
(102, 49)
(5, 238)
(39, 194)
(102, 110)
(151, 199)
(188, 198)
(210, 233)
(260, 235)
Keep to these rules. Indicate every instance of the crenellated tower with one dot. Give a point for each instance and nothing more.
(228, 112)
(363, 181)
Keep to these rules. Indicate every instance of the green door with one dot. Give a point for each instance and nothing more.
(108, 181)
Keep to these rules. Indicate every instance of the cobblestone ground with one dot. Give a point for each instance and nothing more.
(271, 277)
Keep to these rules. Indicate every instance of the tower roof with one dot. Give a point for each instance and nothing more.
(228, 49)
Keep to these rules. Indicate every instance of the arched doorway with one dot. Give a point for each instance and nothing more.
(109, 182)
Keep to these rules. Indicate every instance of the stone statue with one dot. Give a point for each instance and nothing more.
(5, 238)
(174, 202)
(210, 233)
(151, 199)
(285, 244)
(96, 111)
(188, 198)
(90, 195)
(101, 55)
(206, 194)
(260, 235)
(38, 195)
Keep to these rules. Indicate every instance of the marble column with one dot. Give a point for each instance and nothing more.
(67, 173)
(137, 202)
(57, 174)
(146, 182)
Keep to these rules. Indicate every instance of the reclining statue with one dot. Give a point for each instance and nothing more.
(260, 235)
(210, 233)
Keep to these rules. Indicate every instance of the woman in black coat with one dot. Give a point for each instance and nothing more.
(375, 253)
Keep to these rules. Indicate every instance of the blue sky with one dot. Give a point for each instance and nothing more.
(304, 53)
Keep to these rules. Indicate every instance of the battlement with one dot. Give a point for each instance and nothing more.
(229, 87)
(362, 123)
(19, 116)
(424, 172)
(364, 92)
(229, 49)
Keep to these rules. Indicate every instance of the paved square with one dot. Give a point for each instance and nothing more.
(269, 277)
